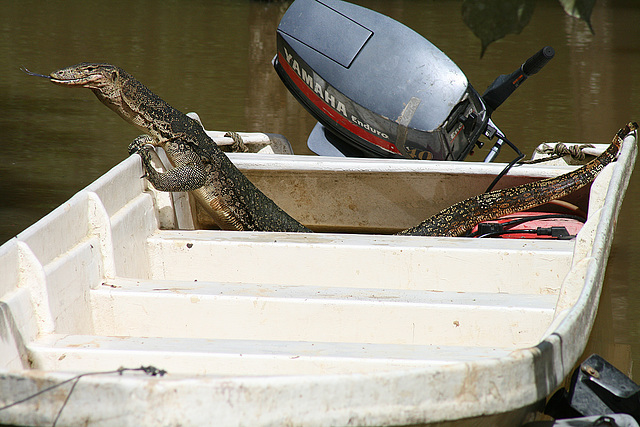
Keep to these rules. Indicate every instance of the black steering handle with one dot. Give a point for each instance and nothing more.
(505, 84)
(538, 60)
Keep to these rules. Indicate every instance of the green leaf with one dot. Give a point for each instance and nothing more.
(491, 20)
(579, 9)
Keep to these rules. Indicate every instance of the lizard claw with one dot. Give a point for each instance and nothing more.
(139, 143)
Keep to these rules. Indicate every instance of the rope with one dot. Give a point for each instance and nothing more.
(238, 145)
(560, 150)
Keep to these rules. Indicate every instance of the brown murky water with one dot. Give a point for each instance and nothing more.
(214, 57)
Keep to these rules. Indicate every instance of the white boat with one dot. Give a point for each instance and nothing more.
(340, 327)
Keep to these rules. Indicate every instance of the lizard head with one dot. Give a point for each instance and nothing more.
(113, 86)
(89, 75)
(103, 79)
(107, 82)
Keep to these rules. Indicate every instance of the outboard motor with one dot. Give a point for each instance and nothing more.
(379, 89)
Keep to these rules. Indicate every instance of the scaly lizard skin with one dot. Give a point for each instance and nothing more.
(236, 204)
(462, 216)
(199, 166)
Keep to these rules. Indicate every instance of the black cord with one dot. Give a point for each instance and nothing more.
(509, 166)
(557, 233)
(503, 232)
(502, 227)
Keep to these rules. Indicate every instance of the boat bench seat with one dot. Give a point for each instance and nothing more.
(222, 328)
(367, 261)
(242, 303)
(312, 313)
(241, 357)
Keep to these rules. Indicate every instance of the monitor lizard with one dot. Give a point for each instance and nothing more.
(199, 166)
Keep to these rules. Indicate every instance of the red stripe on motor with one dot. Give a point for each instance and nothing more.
(335, 116)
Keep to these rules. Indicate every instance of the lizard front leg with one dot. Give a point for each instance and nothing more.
(186, 177)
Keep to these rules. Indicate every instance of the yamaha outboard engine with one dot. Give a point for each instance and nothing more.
(379, 89)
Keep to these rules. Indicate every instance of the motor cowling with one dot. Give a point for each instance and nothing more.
(376, 87)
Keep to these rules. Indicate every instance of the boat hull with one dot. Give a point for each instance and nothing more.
(320, 329)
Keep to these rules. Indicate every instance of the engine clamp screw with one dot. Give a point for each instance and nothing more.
(589, 370)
